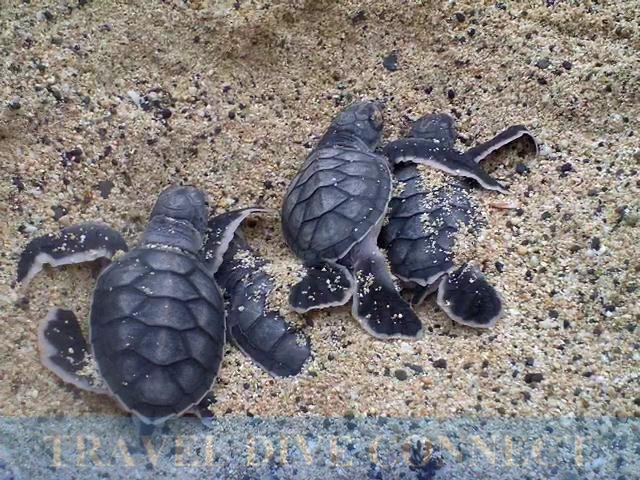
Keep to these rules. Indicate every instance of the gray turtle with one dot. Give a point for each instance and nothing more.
(425, 216)
(157, 321)
(331, 217)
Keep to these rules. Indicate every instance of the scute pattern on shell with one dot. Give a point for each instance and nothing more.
(420, 233)
(334, 201)
(158, 331)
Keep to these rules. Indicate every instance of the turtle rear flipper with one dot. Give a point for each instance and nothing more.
(270, 342)
(467, 298)
(420, 293)
(84, 242)
(325, 285)
(377, 304)
(258, 330)
(504, 138)
(64, 350)
(417, 150)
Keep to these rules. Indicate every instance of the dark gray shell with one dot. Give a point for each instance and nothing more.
(335, 200)
(422, 225)
(157, 331)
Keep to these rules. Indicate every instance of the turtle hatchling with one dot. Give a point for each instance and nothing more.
(157, 323)
(431, 209)
(331, 217)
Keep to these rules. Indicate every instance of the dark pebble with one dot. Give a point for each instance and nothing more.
(636, 401)
(59, 212)
(46, 15)
(554, 314)
(533, 377)
(165, 113)
(18, 183)
(73, 155)
(390, 62)
(574, 248)
(543, 63)
(595, 243)
(460, 17)
(567, 65)
(401, 374)
(414, 367)
(105, 187)
(14, 104)
(529, 362)
(440, 363)
(521, 169)
(451, 94)
(499, 267)
(268, 184)
(565, 168)
(546, 215)
(566, 324)
(232, 114)
(359, 17)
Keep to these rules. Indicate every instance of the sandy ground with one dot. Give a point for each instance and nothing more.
(104, 104)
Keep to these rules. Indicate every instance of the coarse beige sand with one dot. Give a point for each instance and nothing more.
(235, 94)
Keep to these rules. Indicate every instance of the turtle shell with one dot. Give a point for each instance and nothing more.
(422, 225)
(157, 331)
(338, 196)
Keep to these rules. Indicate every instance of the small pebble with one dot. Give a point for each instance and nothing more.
(401, 374)
(533, 378)
(440, 363)
(14, 103)
(105, 187)
(59, 211)
(543, 63)
(390, 62)
(565, 168)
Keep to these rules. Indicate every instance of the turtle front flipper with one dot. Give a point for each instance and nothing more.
(417, 150)
(257, 328)
(467, 298)
(504, 138)
(64, 350)
(326, 284)
(84, 242)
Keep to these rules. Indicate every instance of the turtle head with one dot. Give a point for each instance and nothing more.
(439, 128)
(184, 204)
(362, 120)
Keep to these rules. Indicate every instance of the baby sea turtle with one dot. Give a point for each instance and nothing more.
(157, 322)
(428, 211)
(331, 217)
